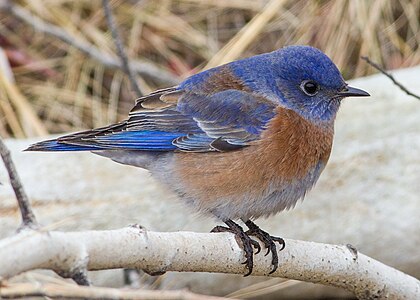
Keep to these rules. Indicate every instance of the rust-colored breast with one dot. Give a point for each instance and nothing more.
(288, 150)
(292, 146)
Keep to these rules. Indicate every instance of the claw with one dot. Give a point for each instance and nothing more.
(249, 272)
(280, 241)
(256, 246)
(247, 243)
(220, 229)
(268, 241)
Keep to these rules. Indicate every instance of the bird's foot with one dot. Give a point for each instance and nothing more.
(243, 237)
(268, 241)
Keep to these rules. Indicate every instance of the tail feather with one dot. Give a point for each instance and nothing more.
(123, 140)
(54, 145)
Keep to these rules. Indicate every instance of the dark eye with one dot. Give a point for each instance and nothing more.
(309, 87)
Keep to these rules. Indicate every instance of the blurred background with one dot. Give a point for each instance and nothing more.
(58, 58)
(60, 72)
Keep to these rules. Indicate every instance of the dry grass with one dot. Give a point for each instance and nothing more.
(54, 87)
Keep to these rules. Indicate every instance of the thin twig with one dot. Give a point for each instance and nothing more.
(387, 74)
(28, 217)
(120, 48)
(141, 67)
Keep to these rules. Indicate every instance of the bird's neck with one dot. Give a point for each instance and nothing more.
(322, 115)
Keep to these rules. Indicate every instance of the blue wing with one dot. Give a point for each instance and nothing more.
(233, 116)
(225, 118)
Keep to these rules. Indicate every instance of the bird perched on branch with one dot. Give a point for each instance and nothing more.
(240, 141)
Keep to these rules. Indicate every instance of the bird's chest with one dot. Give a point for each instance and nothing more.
(287, 163)
(269, 175)
(291, 149)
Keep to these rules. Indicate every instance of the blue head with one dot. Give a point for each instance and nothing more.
(310, 83)
(302, 78)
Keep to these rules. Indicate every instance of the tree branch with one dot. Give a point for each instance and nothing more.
(56, 291)
(141, 67)
(79, 274)
(387, 74)
(28, 217)
(120, 48)
(157, 252)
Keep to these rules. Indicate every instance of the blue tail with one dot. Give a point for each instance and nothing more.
(123, 140)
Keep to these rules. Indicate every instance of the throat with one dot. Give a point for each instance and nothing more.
(321, 113)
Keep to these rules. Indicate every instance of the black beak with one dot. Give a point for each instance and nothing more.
(349, 91)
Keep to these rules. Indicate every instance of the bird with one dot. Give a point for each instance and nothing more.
(240, 141)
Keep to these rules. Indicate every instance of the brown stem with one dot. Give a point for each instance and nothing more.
(28, 217)
(387, 74)
(120, 48)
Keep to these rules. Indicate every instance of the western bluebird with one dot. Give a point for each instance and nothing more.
(240, 141)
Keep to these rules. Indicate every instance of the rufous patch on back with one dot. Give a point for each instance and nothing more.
(223, 80)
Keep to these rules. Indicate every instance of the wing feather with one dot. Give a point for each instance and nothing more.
(231, 116)
(171, 119)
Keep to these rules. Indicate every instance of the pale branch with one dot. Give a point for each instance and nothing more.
(78, 274)
(157, 252)
(120, 49)
(28, 217)
(57, 291)
(387, 74)
(141, 67)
